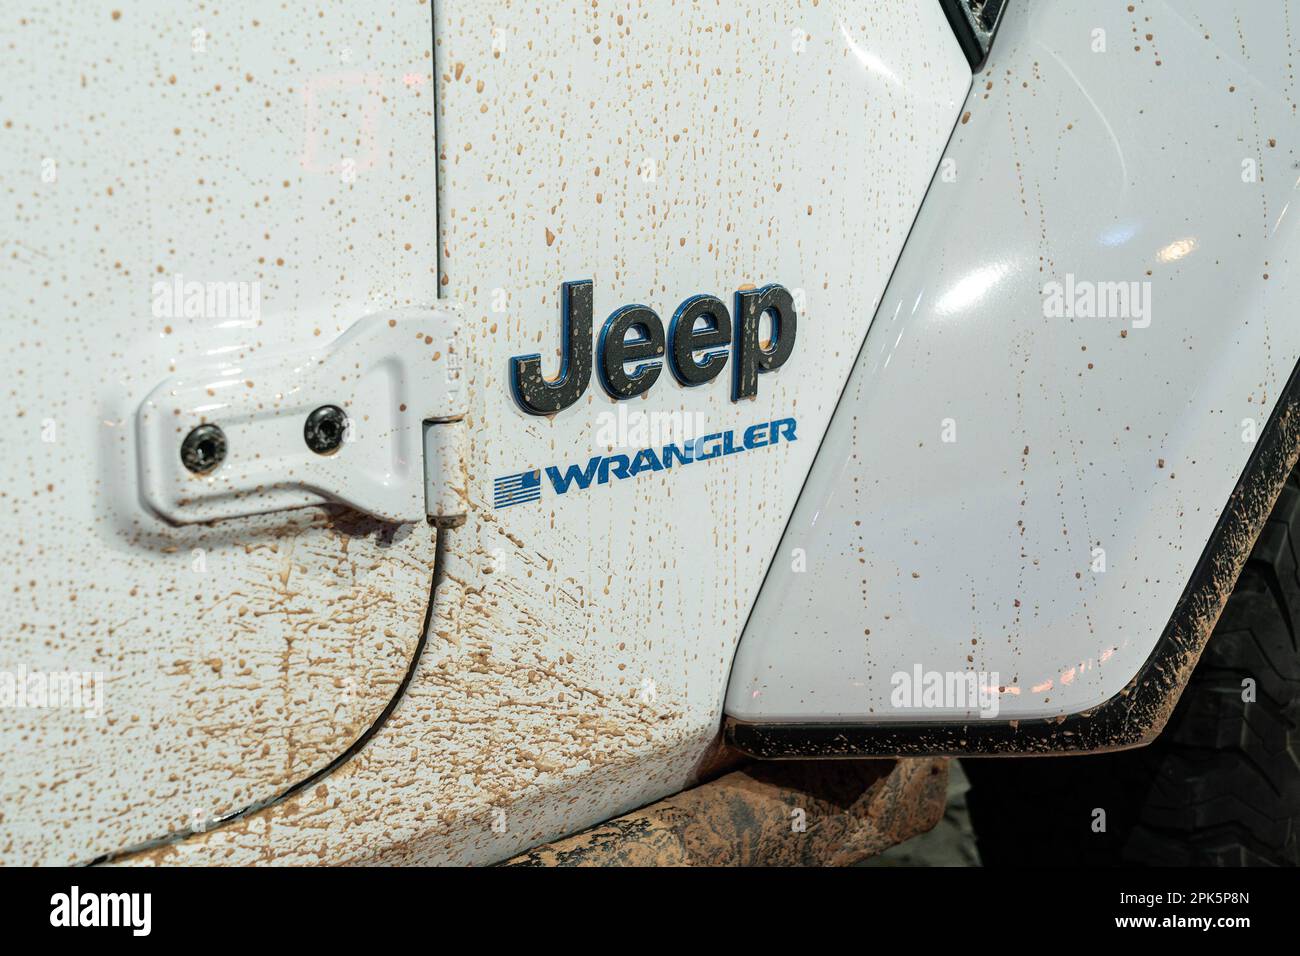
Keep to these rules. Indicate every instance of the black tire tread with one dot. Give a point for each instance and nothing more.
(1219, 787)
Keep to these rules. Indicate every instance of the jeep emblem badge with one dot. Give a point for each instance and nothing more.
(635, 334)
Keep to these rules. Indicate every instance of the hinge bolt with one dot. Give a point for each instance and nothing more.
(325, 429)
(203, 449)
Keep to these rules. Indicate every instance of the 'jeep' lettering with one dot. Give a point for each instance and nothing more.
(539, 396)
(696, 347)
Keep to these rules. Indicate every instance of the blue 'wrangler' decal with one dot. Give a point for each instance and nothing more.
(527, 486)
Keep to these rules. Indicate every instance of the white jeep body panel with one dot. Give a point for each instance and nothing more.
(471, 627)
(1019, 490)
(579, 650)
(145, 145)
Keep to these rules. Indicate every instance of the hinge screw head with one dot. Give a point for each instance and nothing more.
(325, 429)
(204, 449)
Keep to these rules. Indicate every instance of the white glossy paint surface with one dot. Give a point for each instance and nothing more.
(662, 150)
(1072, 434)
(581, 644)
(281, 149)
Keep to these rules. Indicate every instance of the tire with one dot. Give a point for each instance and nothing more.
(1219, 787)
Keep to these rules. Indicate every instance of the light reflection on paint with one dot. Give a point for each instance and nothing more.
(874, 64)
(970, 288)
(1118, 234)
(1177, 249)
(223, 349)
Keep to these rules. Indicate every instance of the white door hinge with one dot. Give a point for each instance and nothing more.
(373, 420)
